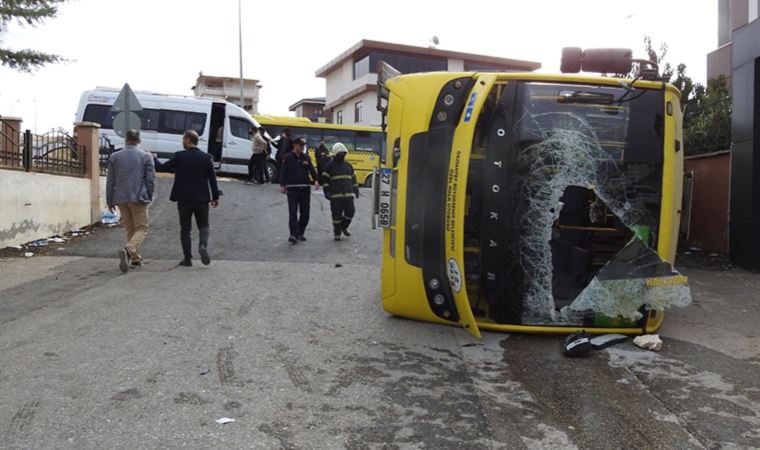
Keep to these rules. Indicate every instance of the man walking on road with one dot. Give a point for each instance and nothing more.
(294, 181)
(339, 182)
(256, 173)
(129, 185)
(194, 174)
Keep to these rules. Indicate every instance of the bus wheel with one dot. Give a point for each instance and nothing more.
(368, 182)
(272, 171)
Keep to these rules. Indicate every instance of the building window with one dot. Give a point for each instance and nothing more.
(361, 67)
(358, 112)
(339, 117)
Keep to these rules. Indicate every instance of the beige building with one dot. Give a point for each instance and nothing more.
(351, 78)
(228, 88)
(732, 15)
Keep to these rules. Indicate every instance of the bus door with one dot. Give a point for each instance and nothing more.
(238, 145)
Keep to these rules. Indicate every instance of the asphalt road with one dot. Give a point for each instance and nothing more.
(301, 355)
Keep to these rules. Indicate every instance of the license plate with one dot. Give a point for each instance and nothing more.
(384, 200)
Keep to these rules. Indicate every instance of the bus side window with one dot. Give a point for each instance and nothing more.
(365, 141)
(343, 136)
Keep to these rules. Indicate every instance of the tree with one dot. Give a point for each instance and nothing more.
(30, 13)
(707, 110)
(707, 119)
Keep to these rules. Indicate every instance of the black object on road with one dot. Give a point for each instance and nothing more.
(607, 340)
(577, 344)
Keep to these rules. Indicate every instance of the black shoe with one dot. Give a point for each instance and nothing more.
(136, 264)
(301, 238)
(186, 262)
(336, 237)
(205, 258)
(292, 239)
(346, 232)
(124, 260)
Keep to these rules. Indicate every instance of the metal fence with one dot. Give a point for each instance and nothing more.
(106, 148)
(10, 146)
(55, 152)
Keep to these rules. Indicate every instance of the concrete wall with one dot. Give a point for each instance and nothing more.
(708, 229)
(36, 206)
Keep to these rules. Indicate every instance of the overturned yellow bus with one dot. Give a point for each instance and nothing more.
(527, 202)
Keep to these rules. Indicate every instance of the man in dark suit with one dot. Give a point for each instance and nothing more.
(194, 174)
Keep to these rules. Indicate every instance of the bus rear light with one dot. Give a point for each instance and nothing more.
(434, 284)
(439, 300)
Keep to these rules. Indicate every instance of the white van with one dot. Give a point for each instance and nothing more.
(222, 126)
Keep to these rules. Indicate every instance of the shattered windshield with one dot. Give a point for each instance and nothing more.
(565, 186)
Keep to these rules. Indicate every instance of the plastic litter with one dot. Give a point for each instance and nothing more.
(649, 342)
(205, 371)
(577, 344)
(57, 240)
(38, 243)
(28, 254)
(108, 217)
(607, 340)
(224, 420)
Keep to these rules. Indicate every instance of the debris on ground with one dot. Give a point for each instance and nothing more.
(107, 217)
(607, 340)
(38, 243)
(205, 371)
(649, 342)
(577, 344)
(224, 420)
(28, 254)
(338, 265)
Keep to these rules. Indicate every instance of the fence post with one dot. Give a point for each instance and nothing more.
(88, 140)
(26, 152)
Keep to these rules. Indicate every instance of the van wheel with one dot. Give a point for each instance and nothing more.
(368, 182)
(272, 171)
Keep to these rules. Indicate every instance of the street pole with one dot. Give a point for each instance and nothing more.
(240, 45)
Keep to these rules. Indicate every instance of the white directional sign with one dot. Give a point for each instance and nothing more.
(126, 106)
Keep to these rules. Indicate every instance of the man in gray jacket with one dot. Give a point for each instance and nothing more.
(130, 183)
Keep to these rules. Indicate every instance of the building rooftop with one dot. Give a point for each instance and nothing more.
(312, 100)
(232, 79)
(365, 45)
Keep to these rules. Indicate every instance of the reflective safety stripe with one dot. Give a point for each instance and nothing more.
(348, 217)
(336, 222)
(297, 185)
(341, 195)
(341, 177)
(325, 175)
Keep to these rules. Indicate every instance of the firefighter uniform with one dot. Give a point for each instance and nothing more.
(339, 182)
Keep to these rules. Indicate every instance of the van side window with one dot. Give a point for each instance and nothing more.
(164, 121)
(177, 122)
(239, 127)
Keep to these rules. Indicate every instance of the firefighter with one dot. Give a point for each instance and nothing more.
(339, 183)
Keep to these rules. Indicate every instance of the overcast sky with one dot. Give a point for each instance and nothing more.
(162, 45)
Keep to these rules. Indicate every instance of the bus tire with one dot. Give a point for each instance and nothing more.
(272, 171)
(369, 180)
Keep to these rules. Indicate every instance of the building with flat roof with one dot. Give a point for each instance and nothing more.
(732, 15)
(228, 88)
(351, 78)
(311, 108)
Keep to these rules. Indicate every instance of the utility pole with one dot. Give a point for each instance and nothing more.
(240, 45)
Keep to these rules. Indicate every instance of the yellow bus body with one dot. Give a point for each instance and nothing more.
(365, 158)
(411, 108)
